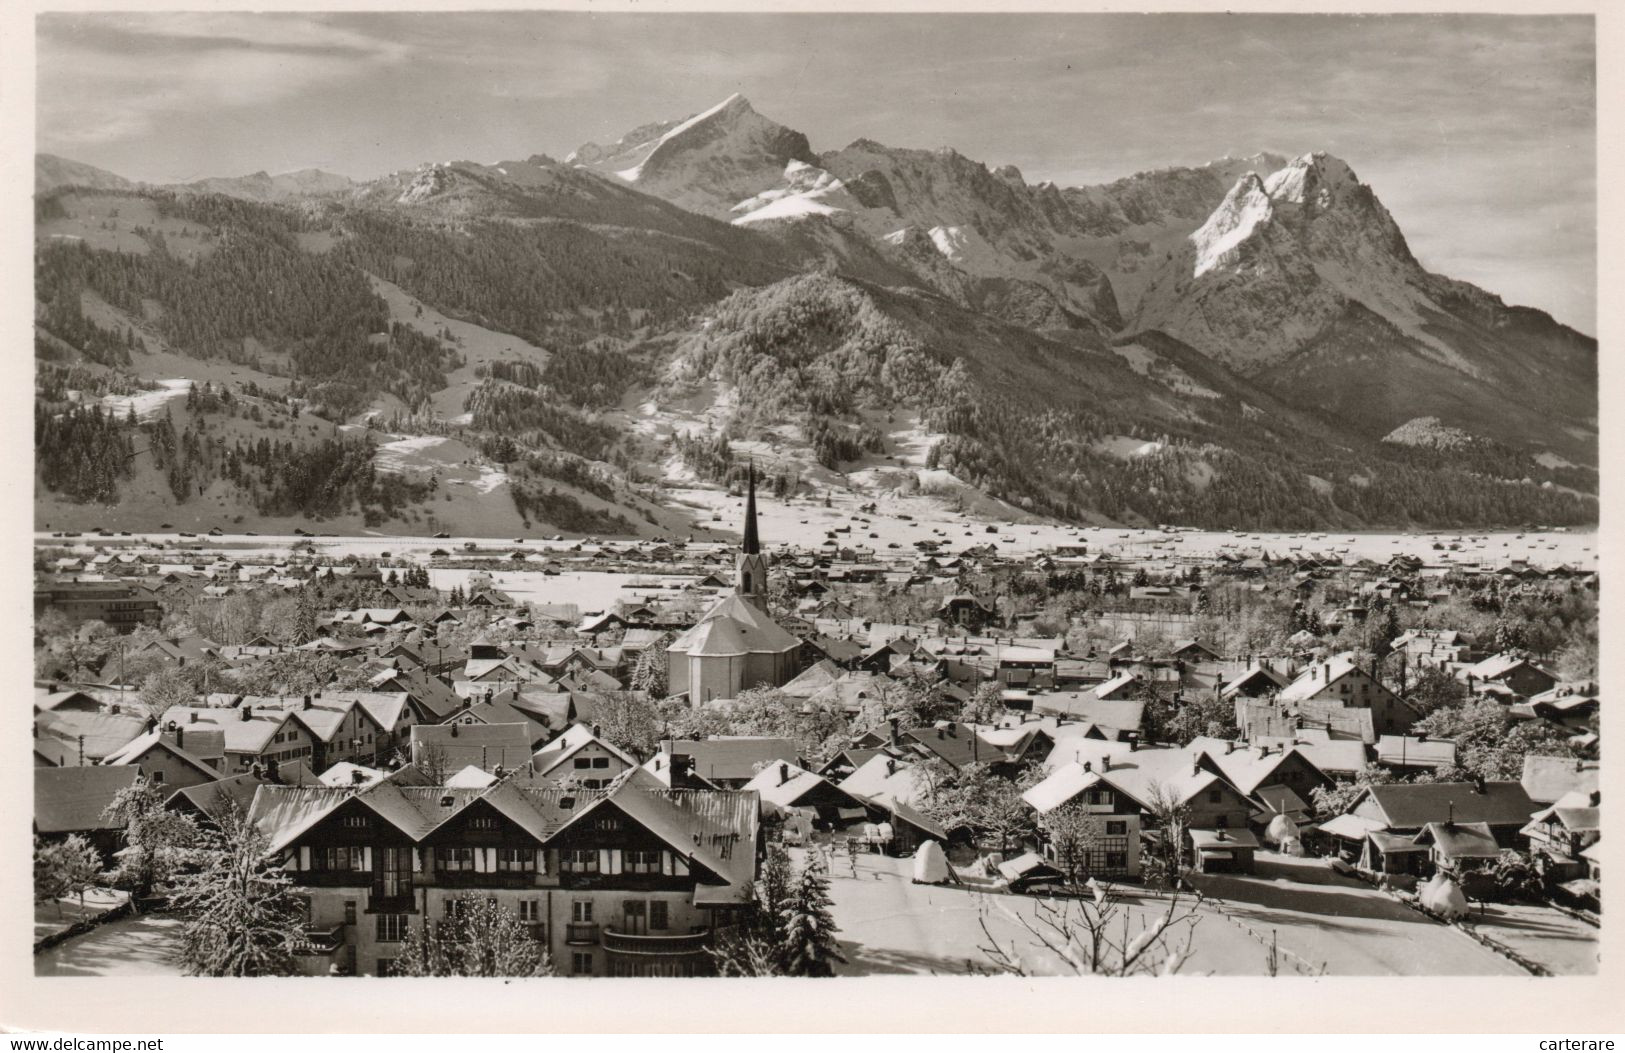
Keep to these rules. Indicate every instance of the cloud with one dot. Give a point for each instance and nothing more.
(107, 78)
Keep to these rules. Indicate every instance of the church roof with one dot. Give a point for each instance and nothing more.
(752, 543)
(734, 627)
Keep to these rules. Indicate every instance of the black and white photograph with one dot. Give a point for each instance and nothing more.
(638, 493)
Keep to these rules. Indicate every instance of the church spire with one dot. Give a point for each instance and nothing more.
(752, 543)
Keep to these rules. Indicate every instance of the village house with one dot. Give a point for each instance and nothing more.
(1342, 681)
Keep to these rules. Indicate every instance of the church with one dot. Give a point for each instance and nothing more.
(735, 645)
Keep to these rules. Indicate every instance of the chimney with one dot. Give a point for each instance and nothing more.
(891, 766)
(1088, 766)
(1106, 763)
(1133, 745)
(1421, 736)
(597, 732)
(893, 736)
(306, 704)
(784, 773)
(245, 714)
(180, 738)
(152, 725)
(1229, 748)
(1478, 785)
(454, 731)
(1196, 765)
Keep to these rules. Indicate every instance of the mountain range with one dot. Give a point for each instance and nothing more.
(1246, 343)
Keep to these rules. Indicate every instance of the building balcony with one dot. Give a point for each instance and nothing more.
(581, 933)
(477, 879)
(660, 944)
(321, 940)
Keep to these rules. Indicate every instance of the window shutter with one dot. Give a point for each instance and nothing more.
(541, 860)
(615, 861)
(366, 858)
(603, 861)
(417, 858)
(665, 863)
(490, 860)
(480, 862)
(304, 857)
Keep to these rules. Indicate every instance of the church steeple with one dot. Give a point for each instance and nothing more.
(752, 543)
(750, 570)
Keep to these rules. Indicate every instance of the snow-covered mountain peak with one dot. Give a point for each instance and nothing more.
(708, 162)
(1245, 209)
(1315, 178)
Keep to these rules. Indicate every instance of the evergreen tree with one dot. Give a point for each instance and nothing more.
(810, 945)
(242, 916)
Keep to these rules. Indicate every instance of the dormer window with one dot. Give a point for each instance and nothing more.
(483, 822)
(356, 822)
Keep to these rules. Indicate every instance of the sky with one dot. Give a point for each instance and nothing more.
(1478, 132)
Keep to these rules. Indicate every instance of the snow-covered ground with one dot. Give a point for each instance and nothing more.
(149, 405)
(588, 590)
(138, 946)
(804, 523)
(891, 925)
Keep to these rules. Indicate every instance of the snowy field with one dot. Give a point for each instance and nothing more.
(1320, 920)
(805, 525)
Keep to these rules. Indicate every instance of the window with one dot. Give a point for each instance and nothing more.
(339, 857)
(349, 912)
(1116, 860)
(581, 911)
(1214, 797)
(391, 928)
(581, 963)
(606, 824)
(516, 860)
(579, 861)
(355, 822)
(641, 862)
(600, 762)
(658, 918)
(530, 910)
(484, 822)
(456, 859)
(1116, 826)
(583, 762)
(456, 908)
(1223, 822)
(158, 775)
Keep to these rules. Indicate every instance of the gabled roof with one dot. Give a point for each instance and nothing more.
(71, 800)
(1460, 840)
(240, 789)
(1246, 768)
(1547, 779)
(734, 627)
(572, 741)
(1411, 806)
(790, 786)
(735, 757)
(59, 733)
(137, 748)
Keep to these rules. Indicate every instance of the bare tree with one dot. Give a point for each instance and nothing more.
(1173, 817)
(1099, 936)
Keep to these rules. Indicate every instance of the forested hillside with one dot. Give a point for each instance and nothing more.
(307, 329)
